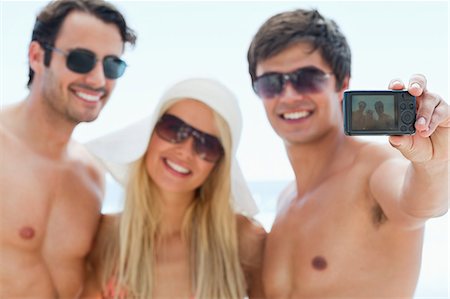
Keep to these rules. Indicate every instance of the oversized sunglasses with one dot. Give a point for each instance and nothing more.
(304, 80)
(83, 61)
(174, 130)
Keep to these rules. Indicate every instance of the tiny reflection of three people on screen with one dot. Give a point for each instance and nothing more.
(365, 119)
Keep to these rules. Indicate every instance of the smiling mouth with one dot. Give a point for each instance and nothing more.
(176, 167)
(88, 97)
(295, 115)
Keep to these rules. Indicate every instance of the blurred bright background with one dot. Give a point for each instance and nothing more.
(182, 39)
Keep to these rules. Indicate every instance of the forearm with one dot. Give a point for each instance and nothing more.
(425, 191)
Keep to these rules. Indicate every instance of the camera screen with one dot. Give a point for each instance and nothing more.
(373, 112)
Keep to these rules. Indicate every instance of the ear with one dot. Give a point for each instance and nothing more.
(345, 85)
(36, 57)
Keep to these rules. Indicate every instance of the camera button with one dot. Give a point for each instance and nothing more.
(403, 106)
(411, 106)
(403, 128)
(407, 117)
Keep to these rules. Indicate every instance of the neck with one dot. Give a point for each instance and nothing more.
(174, 208)
(44, 129)
(315, 161)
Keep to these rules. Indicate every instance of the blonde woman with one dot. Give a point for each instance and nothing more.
(182, 232)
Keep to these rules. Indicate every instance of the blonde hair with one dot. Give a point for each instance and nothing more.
(209, 226)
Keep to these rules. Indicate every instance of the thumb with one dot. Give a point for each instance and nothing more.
(414, 149)
(403, 143)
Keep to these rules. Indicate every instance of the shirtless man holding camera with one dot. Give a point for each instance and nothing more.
(351, 224)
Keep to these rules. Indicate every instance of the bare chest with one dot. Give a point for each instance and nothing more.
(172, 271)
(317, 236)
(45, 207)
(329, 244)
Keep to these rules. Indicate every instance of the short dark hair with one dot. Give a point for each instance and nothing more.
(379, 104)
(288, 28)
(49, 20)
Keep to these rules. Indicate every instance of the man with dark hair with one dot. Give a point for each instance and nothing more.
(51, 189)
(359, 117)
(352, 223)
(384, 121)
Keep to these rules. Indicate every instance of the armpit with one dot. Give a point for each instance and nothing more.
(378, 215)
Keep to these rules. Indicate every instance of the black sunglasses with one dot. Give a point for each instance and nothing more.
(304, 80)
(83, 61)
(174, 130)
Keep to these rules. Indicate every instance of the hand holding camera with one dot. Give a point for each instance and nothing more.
(381, 112)
(417, 120)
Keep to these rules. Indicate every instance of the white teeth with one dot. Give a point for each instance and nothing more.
(88, 97)
(177, 167)
(296, 115)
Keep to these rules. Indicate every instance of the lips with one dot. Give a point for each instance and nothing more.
(177, 168)
(91, 97)
(87, 93)
(88, 97)
(296, 115)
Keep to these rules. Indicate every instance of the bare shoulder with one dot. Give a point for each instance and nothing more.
(286, 196)
(12, 146)
(252, 237)
(3, 132)
(376, 153)
(6, 113)
(109, 222)
(108, 227)
(10, 117)
(6, 116)
(80, 155)
(381, 160)
(249, 227)
(106, 234)
(365, 159)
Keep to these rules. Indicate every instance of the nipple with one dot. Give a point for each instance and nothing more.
(26, 232)
(319, 263)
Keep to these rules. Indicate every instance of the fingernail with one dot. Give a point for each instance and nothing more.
(421, 121)
(415, 85)
(396, 83)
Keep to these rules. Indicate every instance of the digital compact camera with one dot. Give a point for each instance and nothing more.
(379, 112)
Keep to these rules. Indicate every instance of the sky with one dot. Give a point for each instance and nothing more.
(177, 40)
(182, 39)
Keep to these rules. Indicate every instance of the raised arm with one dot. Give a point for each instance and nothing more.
(417, 189)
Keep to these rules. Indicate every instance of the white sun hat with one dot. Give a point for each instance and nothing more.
(118, 150)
